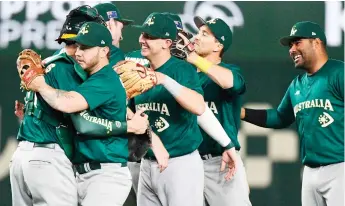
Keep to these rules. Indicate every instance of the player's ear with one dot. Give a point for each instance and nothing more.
(167, 44)
(218, 47)
(104, 51)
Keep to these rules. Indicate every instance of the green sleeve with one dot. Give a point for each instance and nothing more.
(188, 77)
(131, 105)
(283, 116)
(239, 86)
(97, 90)
(89, 125)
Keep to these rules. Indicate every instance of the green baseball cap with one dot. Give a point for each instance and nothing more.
(110, 11)
(304, 30)
(159, 25)
(219, 28)
(176, 18)
(93, 34)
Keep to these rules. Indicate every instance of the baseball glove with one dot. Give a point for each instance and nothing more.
(29, 67)
(136, 78)
(179, 48)
(138, 145)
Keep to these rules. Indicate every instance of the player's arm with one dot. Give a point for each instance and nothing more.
(64, 101)
(337, 83)
(210, 124)
(224, 77)
(278, 118)
(186, 90)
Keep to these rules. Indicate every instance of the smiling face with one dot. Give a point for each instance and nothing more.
(151, 46)
(303, 53)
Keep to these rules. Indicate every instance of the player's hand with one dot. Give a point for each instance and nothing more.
(160, 78)
(37, 83)
(192, 55)
(160, 153)
(19, 110)
(139, 123)
(229, 160)
(243, 113)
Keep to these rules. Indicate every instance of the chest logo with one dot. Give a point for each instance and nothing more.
(298, 92)
(161, 124)
(325, 119)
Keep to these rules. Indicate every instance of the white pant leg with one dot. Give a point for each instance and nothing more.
(108, 186)
(134, 168)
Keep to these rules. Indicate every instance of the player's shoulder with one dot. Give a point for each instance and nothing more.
(233, 67)
(136, 57)
(57, 63)
(180, 64)
(335, 66)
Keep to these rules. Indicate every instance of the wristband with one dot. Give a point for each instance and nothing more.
(203, 64)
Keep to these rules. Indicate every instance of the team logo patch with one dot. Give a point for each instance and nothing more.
(178, 24)
(49, 68)
(325, 119)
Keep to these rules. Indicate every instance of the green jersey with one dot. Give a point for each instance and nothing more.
(106, 98)
(137, 57)
(60, 74)
(316, 103)
(176, 127)
(226, 106)
(116, 55)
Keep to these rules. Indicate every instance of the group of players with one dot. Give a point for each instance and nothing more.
(81, 101)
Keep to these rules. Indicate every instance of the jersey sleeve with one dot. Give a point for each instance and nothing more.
(283, 116)
(96, 90)
(239, 86)
(188, 77)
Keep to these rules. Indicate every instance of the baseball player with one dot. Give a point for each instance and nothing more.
(42, 149)
(172, 107)
(103, 94)
(223, 87)
(315, 100)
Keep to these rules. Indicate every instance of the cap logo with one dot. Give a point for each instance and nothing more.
(102, 42)
(167, 34)
(150, 21)
(222, 38)
(112, 14)
(293, 31)
(313, 33)
(84, 30)
(212, 21)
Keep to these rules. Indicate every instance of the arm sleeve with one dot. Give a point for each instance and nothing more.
(95, 91)
(239, 85)
(189, 78)
(89, 125)
(273, 118)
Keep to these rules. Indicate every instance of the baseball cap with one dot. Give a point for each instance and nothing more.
(159, 25)
(176, 18)
(219, 28)
(110, 11)
(75, 19)
(93, 34)
(304, 30)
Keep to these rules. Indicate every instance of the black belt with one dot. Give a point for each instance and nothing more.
(44, 145)
(208, 156)
(87, 167)
(316, 165)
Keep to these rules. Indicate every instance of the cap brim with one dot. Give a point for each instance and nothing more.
(143, 29)
(199, 22)
(79, 41)
(65, 37)
(126, 22)
(285, 41)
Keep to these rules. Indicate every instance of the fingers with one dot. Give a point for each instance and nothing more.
(222, 166)
(163, 164)
(185, 39)
(141, 111)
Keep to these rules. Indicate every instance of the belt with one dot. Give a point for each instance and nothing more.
(208, 156)
(89, 166)
(316, 165)
(43, 145)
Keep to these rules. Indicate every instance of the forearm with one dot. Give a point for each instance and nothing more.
(64, 101)
(156, 143)
(210, 124)
(187, 98)
(221, 76)
(268, 118)
(89, 125)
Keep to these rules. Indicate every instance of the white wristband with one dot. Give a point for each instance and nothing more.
(210, 124)
(172, 86)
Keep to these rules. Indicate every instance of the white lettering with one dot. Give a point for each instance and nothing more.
(10, 30)
(35, 8)
(334, 22)
(9, 8)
